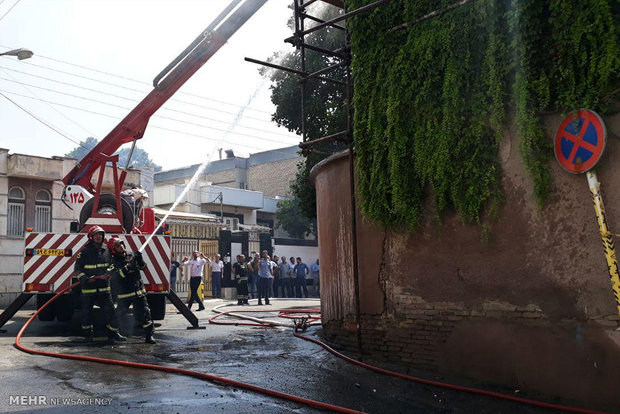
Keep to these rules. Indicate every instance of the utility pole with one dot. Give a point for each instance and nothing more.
(221, 197)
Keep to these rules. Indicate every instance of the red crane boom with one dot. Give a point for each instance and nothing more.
(133, 126)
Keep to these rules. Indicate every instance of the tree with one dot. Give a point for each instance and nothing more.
(325, 103)
(81, 150)
(291, 219)
(140, 158)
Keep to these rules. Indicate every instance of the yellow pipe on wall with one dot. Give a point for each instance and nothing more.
(606, 236)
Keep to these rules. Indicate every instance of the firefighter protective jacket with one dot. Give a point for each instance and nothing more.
(126, 278)
(93, 261)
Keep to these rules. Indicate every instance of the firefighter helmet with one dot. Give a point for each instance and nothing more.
(113, 242)
(93, 230)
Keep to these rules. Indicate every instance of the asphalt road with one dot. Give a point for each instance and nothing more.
(268, 357)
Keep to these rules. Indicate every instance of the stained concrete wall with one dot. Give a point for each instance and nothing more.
(531, 308)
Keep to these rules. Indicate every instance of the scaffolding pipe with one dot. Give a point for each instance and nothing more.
(343, 17)
(291, 70)
(328, 138)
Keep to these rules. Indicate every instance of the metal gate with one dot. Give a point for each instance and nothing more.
(182, 248)
(209, 248)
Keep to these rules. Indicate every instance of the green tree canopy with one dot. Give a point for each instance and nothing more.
(139, 158)
(293, 221)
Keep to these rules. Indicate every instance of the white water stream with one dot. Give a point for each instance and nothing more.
(200, 170)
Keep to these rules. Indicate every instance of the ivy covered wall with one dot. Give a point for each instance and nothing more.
(431, 101)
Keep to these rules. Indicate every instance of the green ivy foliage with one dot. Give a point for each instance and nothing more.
(431, 101)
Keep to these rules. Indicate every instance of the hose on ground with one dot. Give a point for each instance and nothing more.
(178, 371)
(535, 403)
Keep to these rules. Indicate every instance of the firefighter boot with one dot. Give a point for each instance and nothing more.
(239, 302)
(114, 336)
(148, 334)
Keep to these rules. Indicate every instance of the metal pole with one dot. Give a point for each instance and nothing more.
(291, 70)
(606, 236)
(133, 145)
(299, 28)
(333, 137)
(221, 207)
(345, 16)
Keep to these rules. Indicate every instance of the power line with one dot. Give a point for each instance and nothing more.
(129, 79)
(156, 116)
(153, 126)
(15, 4)
(134, 101)
(142, 92)
(44, 122)
(54, 109)
(145, 83)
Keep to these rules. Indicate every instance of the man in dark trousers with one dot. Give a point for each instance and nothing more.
(265, 275)
(174, 265)
(253, 269)
(91, 266)
(300, 270)
(241, 273)
(196, 265)
(128, 287)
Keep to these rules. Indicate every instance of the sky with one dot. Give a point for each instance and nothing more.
(94, 60)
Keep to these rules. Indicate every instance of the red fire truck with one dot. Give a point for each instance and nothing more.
(49, 258)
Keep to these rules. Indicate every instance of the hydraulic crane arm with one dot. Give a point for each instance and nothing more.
(132, 127)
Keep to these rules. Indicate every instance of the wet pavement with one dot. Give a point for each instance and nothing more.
(267, 357)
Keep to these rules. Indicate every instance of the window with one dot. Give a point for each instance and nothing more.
(232, 223)
(43, 212)
(16, 206)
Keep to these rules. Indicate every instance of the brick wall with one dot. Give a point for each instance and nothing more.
(226, 178)
(273, 178)
(532, 309)
(416, 332)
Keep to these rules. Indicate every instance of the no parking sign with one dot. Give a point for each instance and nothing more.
(579, 144)
(580, 141)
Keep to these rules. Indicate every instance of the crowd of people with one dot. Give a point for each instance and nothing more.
(263, 277)
(254, 276)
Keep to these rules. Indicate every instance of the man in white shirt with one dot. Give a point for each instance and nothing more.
(196, 265)
(216, 276)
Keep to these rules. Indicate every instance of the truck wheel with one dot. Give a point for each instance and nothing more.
(64, 308)
(48, 313)
(107, 205)
(157, 303)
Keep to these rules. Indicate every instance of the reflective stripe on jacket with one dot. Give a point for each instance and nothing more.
(91, 261)
(126, 277)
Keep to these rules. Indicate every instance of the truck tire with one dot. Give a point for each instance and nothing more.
(48, 313)
(107, 204)
(157, 303)
(64, 307)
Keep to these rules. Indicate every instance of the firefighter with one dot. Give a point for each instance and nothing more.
(241, 274)
(128, 287)
(91, 266)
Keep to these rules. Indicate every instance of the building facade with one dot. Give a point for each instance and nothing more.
(243, 193)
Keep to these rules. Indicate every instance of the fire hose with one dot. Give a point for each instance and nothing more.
(242, 385)
(177, 371)
(286, 312)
